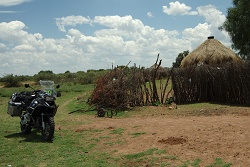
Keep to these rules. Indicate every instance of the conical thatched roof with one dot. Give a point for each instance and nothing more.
(211, 52)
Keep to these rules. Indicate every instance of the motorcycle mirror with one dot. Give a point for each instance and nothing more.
(26, 85)
(57, 86)
(58, 94)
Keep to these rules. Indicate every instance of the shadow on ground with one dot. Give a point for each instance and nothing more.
(34, 136)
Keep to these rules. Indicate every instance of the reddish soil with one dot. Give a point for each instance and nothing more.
(208, 134)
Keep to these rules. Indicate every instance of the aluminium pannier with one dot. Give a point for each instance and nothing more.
(14, 108)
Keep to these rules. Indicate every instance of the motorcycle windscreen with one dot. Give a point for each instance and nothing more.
(47, 86)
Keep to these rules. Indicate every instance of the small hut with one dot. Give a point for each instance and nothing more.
(209, 74)
(211, 52)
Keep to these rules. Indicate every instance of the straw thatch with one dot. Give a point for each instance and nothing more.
(210, 52)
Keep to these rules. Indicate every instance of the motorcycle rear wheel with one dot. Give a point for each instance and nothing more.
(48, 131)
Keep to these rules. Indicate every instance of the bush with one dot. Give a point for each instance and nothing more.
(11, 81)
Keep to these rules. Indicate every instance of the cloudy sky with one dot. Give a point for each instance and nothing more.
(77, 35)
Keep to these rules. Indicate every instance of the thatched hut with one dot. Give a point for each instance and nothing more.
(211, 52)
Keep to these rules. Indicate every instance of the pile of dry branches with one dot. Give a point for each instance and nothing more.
(126, 87)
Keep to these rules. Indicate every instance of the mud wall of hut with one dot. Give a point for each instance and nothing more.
(229, 84)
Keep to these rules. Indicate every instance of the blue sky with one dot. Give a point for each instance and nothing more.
(79, 35)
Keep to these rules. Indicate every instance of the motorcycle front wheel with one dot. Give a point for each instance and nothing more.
(25, 128)
(49, 128)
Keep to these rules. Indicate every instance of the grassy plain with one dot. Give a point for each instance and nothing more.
(70, 148)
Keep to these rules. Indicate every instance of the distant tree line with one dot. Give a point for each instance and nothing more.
(79, 77)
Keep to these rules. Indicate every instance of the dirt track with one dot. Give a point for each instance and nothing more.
(188, 137)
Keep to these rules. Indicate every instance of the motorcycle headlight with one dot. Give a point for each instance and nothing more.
(49, 98)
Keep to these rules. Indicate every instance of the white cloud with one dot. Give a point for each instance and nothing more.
(71, 21)
(8, 11)
(211, 14)
(24, 47)
(177, 8)
(119, 40)
(12, 2)
(150, 14)
(213, 19)
(197, 34)
(3, 47)
(13, 31)
(126, 23)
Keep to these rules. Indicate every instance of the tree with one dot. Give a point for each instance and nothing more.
(237, 25)
(179, 58)
(44, 75)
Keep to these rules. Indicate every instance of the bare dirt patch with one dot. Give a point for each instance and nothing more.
(208, 134)
(173, 140)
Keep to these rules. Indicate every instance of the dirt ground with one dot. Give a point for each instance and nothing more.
(208, 134)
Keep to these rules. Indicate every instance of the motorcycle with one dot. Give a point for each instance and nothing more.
(36, 109)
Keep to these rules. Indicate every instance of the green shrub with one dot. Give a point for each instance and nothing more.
(11, 81)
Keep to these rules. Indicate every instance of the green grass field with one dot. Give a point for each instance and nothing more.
(68, 147)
